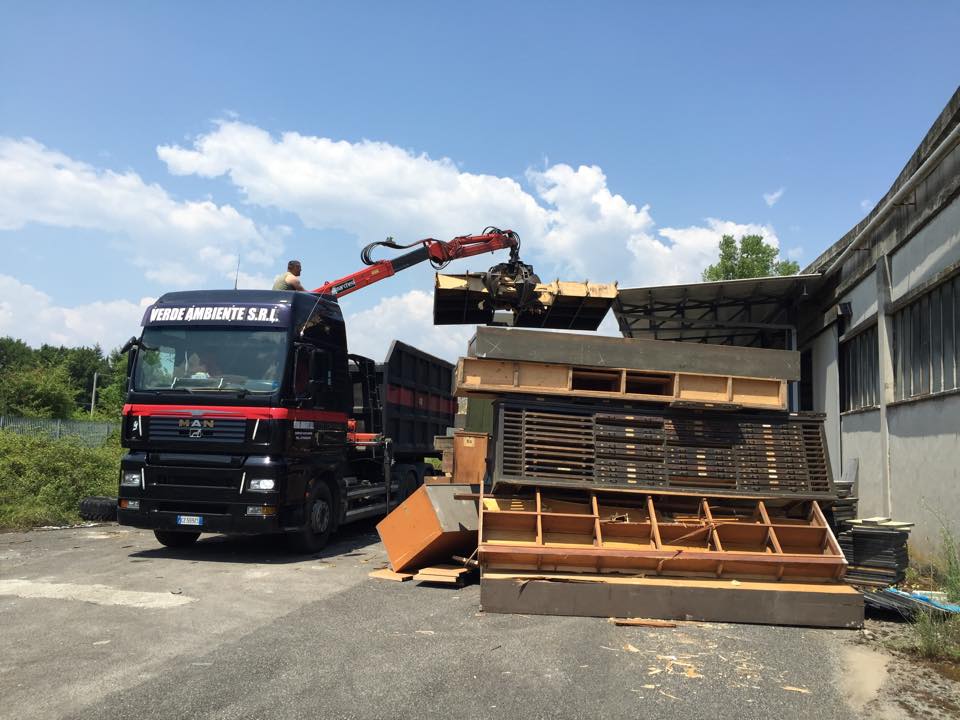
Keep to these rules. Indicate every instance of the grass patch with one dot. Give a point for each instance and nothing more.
(935, 638)
(42, 481)
(949, 565)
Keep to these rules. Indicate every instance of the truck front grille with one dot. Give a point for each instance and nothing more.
(197, 429)
(195, 479)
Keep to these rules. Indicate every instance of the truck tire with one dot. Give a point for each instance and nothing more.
(409, 482)
(314, 535)
(98, 508)
(175, 538)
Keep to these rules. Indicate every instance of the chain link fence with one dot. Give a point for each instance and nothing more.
(89, 432)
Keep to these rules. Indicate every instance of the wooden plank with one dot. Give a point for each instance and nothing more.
(445, 570)
(632, 354)
(388, 574)
(439, 579)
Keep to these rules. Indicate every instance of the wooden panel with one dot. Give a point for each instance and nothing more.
(633, 354)
(823, 604)
(470, 457)
(751, 392)
(533, 376)
(705, 388)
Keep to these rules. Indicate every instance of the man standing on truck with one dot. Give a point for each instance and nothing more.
(290, 280)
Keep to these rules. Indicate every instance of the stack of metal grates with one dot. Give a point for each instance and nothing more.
(876, 550)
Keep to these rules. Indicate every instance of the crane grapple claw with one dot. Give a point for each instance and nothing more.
(474, 299)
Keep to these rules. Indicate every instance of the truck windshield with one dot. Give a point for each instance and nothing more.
(242, 360)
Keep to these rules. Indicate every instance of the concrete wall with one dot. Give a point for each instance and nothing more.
(925, 466)
(861, 440)
(863, 300)
(935, 247)
(826, 391)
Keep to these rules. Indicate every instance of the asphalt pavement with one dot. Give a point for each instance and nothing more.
(102, 622)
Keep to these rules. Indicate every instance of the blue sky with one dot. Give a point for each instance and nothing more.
(144, 145)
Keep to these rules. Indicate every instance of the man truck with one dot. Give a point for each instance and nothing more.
(246, 413)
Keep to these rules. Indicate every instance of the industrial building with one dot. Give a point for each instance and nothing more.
(876, 318)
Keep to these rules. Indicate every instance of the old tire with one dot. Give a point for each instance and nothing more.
(98, 508)
(175, 539)
(316, 532)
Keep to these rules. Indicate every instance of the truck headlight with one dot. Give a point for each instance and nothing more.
(262, 484)
(130, 479)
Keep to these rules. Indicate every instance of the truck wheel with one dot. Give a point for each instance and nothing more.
(175, 539)
(98, 508)
(314, 535)
(408, 484)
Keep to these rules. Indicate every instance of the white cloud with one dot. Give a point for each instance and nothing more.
(697, 246)
(866, 204)
(572, 225)
(372, 189)
(32, 316)
(181, 243)
(409, 318)
(771, 198)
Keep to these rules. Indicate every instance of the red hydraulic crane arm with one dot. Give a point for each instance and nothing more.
(438, 252)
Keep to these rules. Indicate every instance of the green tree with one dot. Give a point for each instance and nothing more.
(112, 388)
(752, 258)
(37, 392)
(15, 353)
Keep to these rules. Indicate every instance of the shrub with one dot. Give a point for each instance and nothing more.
(42, 481)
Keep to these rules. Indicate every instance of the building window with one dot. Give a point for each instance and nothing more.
(859, 371)
(926, 343)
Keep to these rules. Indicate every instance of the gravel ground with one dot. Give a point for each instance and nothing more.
(101, 622)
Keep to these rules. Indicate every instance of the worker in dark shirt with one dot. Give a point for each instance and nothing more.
(290, 280)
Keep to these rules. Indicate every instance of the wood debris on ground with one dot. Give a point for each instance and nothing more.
(642, 622)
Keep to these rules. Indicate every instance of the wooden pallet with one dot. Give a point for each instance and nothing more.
(480, 375)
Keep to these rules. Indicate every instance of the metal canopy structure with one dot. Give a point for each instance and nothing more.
(755, 312)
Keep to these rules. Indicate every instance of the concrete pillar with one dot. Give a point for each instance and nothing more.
(886, 379)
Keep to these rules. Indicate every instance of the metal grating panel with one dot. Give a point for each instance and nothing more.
(676, 449)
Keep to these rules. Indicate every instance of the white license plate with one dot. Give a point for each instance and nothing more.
(189, 520)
